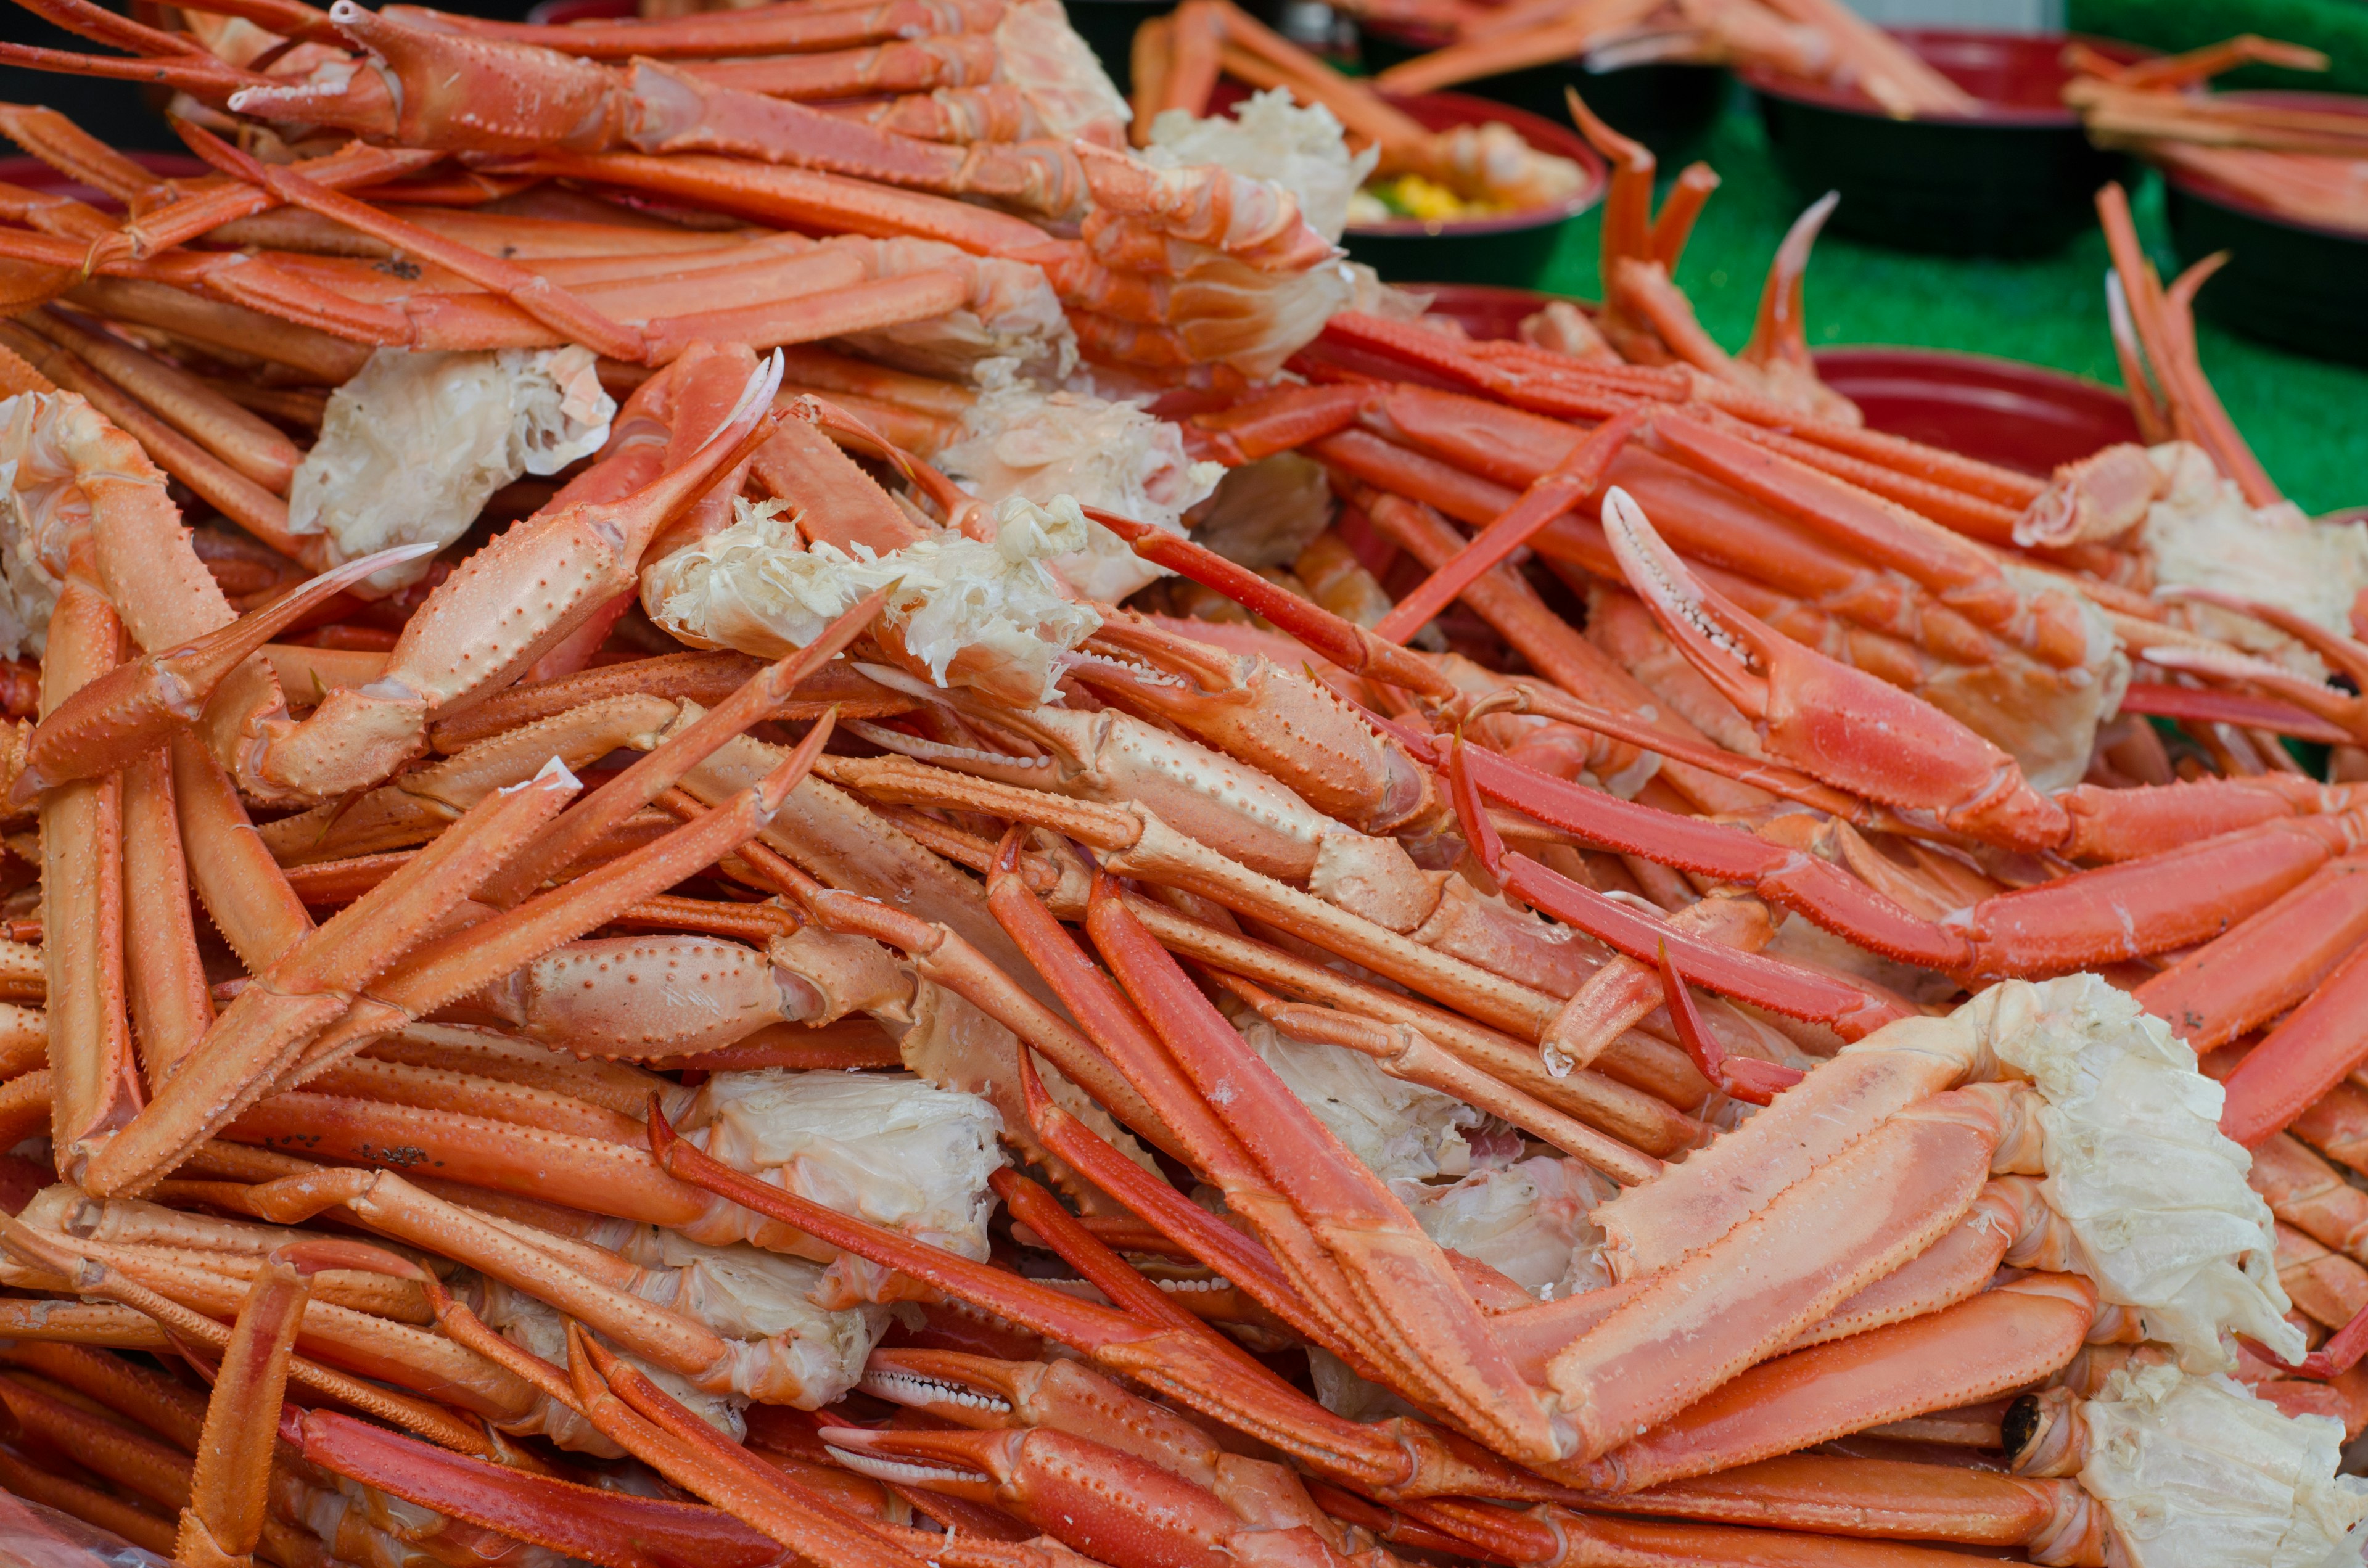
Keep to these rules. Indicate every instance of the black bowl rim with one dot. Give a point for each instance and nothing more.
(1770, 83)
(1561, 143)
(1426, 40)
(2212, 193)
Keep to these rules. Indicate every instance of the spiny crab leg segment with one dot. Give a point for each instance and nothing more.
(460, 962)
(531, 291)
(1554, 493)
(1784, 988)
(260, 1035)
(136, 705)
(659, 770)
(1744, 1077)
(1337, 638)
(1397, 1277)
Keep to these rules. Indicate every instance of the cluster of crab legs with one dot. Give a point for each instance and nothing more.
(1797, 778)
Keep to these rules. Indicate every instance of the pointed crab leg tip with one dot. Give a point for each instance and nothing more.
(1479, 831)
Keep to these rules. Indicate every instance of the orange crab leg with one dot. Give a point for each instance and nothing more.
(135, 707)
(2312, 1050)
(2266, 965)
(1854, 1011)
(1551, 494)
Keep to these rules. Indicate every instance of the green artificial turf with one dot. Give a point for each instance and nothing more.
(2307, 420)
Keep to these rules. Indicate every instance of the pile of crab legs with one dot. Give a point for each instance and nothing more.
(390, 1069)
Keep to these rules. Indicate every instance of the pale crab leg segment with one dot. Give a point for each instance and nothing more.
(767, 29)
(165, 973)
(1202, 1374)
(1712, 1314)
(614, 1529)
(90, 1277)
(1553, 494)
(546, 302)
(1885, 1497)
(1891, 745)
(237, 878)
(659, 770)
(262, 1031)
(135, 707)
(96, 1082)
(1428, 1326)
(1784, 988)
(1744, 1077)
(392, 1207)
(2005, 1338)
(461, 962)
(1341, 641)
(471, 635)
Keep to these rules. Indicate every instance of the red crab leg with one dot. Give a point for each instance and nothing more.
(615, 1530)
(2265, 965)
(1366, 1240)
(1186, 1364)
(1785, 988)
(1816, 889)
(1744, 1077)
(2313, 1050)
(792, 28)
(1343, 642)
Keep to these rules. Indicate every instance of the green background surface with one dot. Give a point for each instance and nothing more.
(2308, 419)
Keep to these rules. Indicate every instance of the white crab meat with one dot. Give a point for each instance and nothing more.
(887, 1148)
(2197, 1472)
(1013, 316)
(1401, 1131)
(2156, 1197)
(414, 445)
(991, 616)
(1021, 440)
(41, 510)
(1037, 51)
(2202, 534)
(1268, 136)
(1527, 1220)
(537, 1327)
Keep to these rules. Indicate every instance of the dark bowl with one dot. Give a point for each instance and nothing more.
(2016, 178)
(1514, 248)
(1108, 27)
(2296, 284)
(1669, 108)
(2015, 415)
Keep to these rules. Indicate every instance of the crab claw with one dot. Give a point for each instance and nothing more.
(1744, 1077)
(1835, 723)
(972, 1466)
(977, 1391)
(986, 1395)
(134, 708)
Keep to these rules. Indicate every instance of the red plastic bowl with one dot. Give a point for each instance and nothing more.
(2019, 416)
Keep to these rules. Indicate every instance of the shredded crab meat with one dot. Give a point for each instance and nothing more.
(1024, 441)
(41, 509)
(2202, 534)
(1039, 52)
(2197, 1472)
(1269, 137)
(414, 445)
(1401, 1131)
(970, 613)
(1527, 1220)
(886, 1148)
